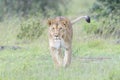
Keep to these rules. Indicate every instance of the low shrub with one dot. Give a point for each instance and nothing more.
(30, 29)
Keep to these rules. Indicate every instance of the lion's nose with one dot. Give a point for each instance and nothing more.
(56, 35)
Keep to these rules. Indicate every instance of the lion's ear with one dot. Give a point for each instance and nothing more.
(49, 22)
(65, 22)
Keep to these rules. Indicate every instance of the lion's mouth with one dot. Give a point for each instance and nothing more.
(57, 38)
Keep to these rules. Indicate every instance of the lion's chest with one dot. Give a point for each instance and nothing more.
(57, 44)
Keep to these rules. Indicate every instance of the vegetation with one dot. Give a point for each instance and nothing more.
(26, 7)
(107, 11)
(24, 51)
(106, 7)
(30, 29)
(90, 60)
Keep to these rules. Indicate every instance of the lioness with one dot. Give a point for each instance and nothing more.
(60, 39)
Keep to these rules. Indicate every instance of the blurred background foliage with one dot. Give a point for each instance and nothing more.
(27, 7)
(104, 14)
(31, 28)
(106, 7)
(107, 13)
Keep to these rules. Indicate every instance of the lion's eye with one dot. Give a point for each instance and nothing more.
(60, 28)
(53, 28)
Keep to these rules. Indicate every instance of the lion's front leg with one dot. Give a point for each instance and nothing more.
(67, 57)
(56, 56)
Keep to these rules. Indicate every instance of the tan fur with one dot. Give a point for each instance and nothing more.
(60, 39)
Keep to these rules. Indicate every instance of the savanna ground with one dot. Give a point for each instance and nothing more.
(93, 58)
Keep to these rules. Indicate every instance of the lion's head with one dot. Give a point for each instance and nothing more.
(58, 27)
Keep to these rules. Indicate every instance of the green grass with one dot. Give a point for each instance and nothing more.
(92, 60)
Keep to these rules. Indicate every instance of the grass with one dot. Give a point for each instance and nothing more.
(92, 58)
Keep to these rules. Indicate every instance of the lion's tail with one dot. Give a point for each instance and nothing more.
(87, 18)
